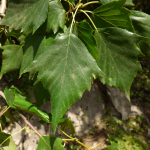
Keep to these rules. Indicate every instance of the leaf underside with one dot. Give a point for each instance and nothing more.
(118, 57)
(66, 70)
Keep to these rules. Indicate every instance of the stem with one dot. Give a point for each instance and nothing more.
(4, 110)
(69, 3)
(74, 17)
(96, 145)
(89, 19)
(1, 127)
(11, 136)
(93, 2)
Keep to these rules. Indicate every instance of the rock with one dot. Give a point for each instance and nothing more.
(120, 102)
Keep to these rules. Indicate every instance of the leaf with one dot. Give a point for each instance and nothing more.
(34, 46)
(10, 96)
(141, 23)
(18, 101)
(67, 123)
(56, 16)
(127, 3)
(85, 34)
(66, 70)
(118, 57)
(9, 144)
(41, 94)
(113, 146)
(33, 17)
(50, 143)
(12, 58)
(112, 15)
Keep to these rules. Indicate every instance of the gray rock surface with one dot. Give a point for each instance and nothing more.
(120, 102)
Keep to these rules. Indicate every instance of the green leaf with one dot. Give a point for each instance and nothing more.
(41, 94)
(113, 146)
(9, 144)
(141, 23)
(118, 57)
(85, 34)
(34, 46)
(127, 3)
(50, 143)
(12, 58)
(56, 16)
(112, 15)
(17, 101)
(67, 123)
(33, 17)
(10, 96)
(66, 70)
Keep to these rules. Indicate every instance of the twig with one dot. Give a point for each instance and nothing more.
(71, 10)
(1, 113)
(3, 8)
(28, 123)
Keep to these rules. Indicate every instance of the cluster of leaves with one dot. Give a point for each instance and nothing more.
(65, 44)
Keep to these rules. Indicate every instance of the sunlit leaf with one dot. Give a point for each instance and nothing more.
(66, 70)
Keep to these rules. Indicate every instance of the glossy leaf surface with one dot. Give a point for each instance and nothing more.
(66, 70)
(50, 143)
(141, 23)
(33, 17)
(112, 15)
(12, 58)
(118, 57)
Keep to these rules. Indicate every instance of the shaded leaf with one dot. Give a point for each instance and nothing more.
(112, 15)
(66, 70)
(67, 123)
(12, 58)
(9, 144)
(118, 57)
(141, 23)
(34, 46)
(127, 3)
(56, 16)
(85, 34)
(41, 94)
(33, 17)
(50, 143)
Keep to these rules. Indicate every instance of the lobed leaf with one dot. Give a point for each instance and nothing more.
(141, 23)
(66, 70)
(12, 58)
(56, 16)
(118, 57)
(112, 15)
(32, 17)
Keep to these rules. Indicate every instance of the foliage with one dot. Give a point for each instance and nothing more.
(64, 45)
(126, 140)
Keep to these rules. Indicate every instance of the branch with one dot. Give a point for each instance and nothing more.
(3, 8)
(29, 124)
